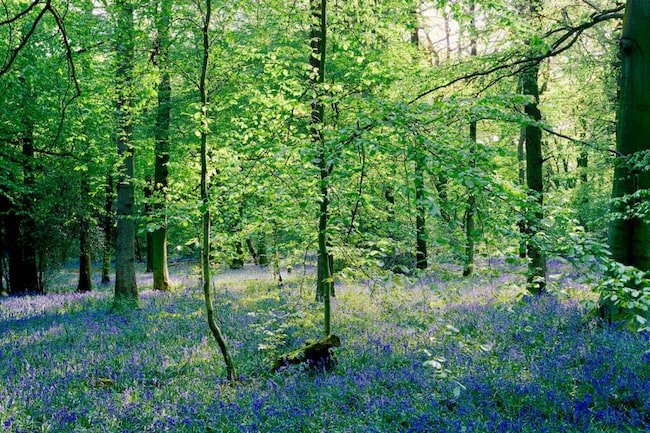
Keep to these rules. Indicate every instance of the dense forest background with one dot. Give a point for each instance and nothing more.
(368, 139)
(398, 216)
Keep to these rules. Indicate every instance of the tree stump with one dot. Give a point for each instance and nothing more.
(315, 356)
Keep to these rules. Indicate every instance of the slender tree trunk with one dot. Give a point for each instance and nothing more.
(85, 283)
(126, 290)
(583, 166)
(148, 196)
(629, 238)
(471, 197)
(162, 136)
(107, 248)
(251, 249)
(205, 253)
(325, 282)
(471, 210)
(521, 162)
(421, 256)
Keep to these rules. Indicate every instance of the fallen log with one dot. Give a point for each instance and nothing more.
(315, 356)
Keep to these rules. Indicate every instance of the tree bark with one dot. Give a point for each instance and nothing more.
(148, 197)
(108, 231)
(471, 210)
(162, 137)
(325, 282)
(471, 197)
(421, 255)
(536, 278)
(629, 238)
(205, 202)
(534, 180)
(126, 290)
(85, 283)
(20, 226)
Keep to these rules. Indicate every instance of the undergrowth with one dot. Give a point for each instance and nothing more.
(437, 354)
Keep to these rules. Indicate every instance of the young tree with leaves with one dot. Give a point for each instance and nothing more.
(204, 128)
(318, 39)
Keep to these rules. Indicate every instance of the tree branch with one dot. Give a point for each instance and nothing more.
(563, 43)
(584, 143)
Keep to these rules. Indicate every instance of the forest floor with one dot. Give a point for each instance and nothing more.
(437, 354)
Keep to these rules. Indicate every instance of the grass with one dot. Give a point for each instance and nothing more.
(438, 355)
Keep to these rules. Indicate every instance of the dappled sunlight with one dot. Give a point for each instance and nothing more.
(463, 353)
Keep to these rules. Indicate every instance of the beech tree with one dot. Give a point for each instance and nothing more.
(629, 230)
(126, 290)
(318, 39)
(162, 137)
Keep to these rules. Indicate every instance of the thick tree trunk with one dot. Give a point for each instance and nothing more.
(629, 238)
(534, 181)
(20, 227)
(205, 253)
(126, 290)
(162, 136)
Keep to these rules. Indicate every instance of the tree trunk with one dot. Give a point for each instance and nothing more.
(325, 282)
(205, 252)
(23, 269)
(85, 283)
(108, 232)
(126, 290)
(534, 180)
(162, 136)
(629, 238)
(471, 209)
(471, 197)
(421, 256)
(521, 163)
(148, 196)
